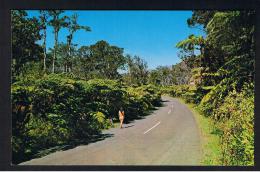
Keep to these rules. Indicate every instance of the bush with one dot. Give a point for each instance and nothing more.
(57, 109)
(140, 99)
(236, 120)
(215, 97)
(175, 90)
(195, 94)
(50, 112)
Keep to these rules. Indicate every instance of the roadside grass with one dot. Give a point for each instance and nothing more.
(210, 138)
(115, 124)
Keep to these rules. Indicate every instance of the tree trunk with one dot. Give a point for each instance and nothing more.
(69, 57)
(44, 49)
(55, 49)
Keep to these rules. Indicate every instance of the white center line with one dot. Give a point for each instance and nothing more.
(169, 111)
(152, 127)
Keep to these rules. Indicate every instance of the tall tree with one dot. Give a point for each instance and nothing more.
(188, 47)
(106, 59)
(165, 75)
(154, 77)
(73, 26)
(234, 45)
(177, 74)
(181, 72)
(84, 61)
(61, 53)
(137, 70)
(25, 34)
(43, 23)
(57, 23)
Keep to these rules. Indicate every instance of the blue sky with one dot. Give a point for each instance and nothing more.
(152, 35)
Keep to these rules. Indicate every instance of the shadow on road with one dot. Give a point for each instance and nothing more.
(94, 138)
(73, 144)
(129, 126)
(165, 101)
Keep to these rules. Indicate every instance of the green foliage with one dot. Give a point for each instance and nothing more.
(236, 121)
(103, 60)
(50, 110)
(25, 34)
(189, 45)
(215, 97)
(72, 26)
(191, 94)
(58, 109)
(200, 17)
(100, 120)
(57, 22)
(175, 90)
(162, 75)
(232, 112)
(137, 71)
(227, 62)
(43, 24)
(141, 99)
(178, 74)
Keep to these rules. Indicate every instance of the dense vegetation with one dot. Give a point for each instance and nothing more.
(57, 109)
(68, 93)
(222, 78)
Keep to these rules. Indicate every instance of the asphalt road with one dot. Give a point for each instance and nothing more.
(169, 136)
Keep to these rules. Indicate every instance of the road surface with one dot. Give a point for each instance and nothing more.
(169, 136)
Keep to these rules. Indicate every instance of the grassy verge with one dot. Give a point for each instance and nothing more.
(210, 139)
(115, 124)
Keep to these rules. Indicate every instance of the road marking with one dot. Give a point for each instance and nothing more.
(169, 111)
(152, 127)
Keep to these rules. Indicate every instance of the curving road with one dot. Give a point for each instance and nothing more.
(169, 136)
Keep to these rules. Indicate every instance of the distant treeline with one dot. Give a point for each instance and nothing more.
(101, 60)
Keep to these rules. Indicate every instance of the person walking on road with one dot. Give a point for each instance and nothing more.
(121, 115)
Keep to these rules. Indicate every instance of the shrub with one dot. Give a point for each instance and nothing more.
(175, 90)
(236, 120)
(213, 99)
(140, 99)
(52, 111)
(56, 109)
(196, 94)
